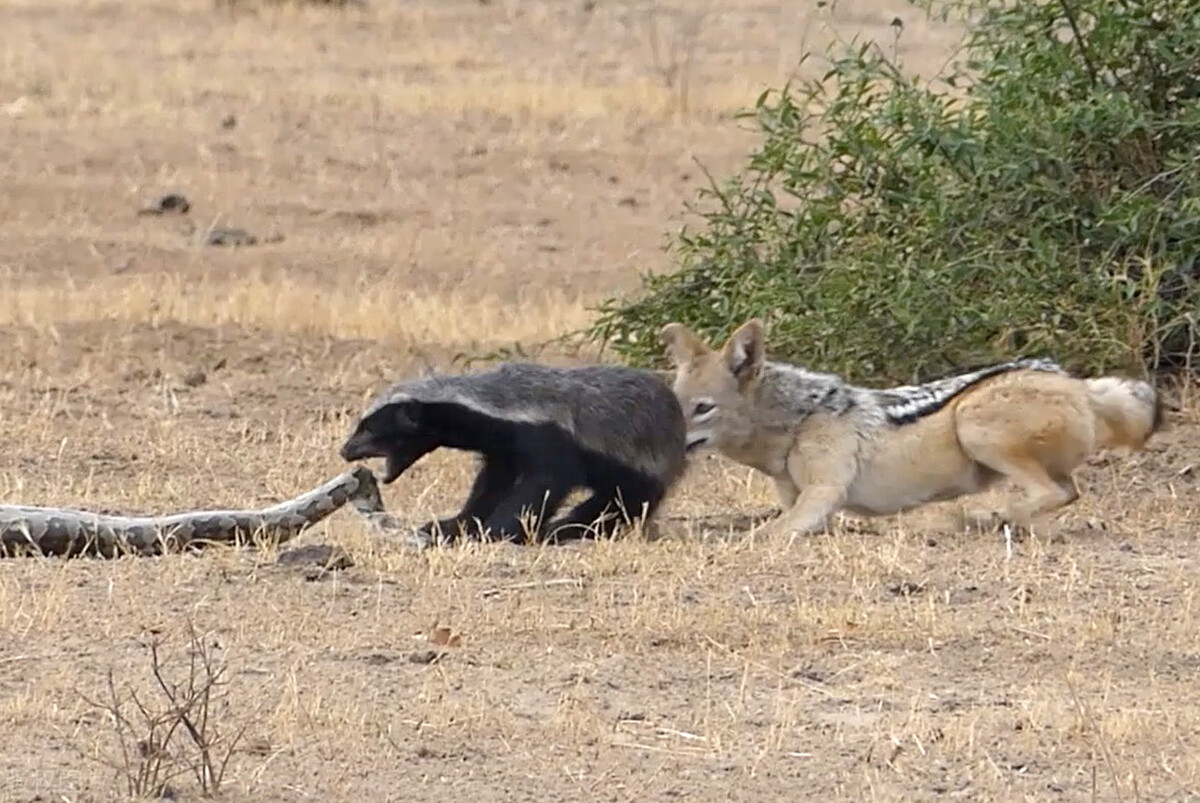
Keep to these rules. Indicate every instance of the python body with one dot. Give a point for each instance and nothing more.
(65, 531)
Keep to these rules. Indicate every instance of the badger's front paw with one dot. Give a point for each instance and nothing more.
(442, 531)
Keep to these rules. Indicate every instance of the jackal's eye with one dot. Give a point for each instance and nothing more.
(703, 408)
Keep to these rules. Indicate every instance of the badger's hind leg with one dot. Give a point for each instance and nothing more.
(601, 515)
(611, 506)
(597, 516)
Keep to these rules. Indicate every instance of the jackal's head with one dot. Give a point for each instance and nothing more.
(716, 387)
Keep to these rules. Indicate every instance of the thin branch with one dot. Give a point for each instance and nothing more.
(1087, 59)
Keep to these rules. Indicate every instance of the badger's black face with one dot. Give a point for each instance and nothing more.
(393, 432)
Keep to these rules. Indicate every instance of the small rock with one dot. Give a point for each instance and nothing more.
(171, 203)
(629, 201)
(195, 379)
(230, 237)
(425, 656)
(321, 556)
(229, 121)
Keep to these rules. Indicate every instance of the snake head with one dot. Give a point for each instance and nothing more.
(394, 432)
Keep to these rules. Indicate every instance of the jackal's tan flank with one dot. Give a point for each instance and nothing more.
(832, 446)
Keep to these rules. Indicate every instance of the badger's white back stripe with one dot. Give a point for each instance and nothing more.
(516, 414)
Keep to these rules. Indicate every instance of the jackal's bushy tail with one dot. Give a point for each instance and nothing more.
(1128, 411)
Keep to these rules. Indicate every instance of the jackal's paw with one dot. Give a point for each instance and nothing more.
(770, 529)
(985, 520)
(785, 529)
(857, 526)
(995, 523)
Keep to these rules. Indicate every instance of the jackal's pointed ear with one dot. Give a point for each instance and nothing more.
(745, 351)
(682, 343)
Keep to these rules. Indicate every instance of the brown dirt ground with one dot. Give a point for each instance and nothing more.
(452, 176)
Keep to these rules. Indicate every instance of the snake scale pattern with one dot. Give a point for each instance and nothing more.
(64, 531)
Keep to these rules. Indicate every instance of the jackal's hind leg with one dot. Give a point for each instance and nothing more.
(1040, 492)
(1033, 439)
(1042, 497)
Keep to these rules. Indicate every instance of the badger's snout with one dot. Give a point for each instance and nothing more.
(359, 446)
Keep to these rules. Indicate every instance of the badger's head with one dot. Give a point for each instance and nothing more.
(394, 431)
(715, 387)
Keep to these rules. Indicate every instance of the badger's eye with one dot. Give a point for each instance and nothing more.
(703, 408)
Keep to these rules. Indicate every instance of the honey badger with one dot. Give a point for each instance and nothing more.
(541, 432)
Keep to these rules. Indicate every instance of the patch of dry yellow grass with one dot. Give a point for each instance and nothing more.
(378, 309)
(431, 62)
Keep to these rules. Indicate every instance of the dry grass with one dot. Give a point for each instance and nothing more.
(369, 307)
(458, 176)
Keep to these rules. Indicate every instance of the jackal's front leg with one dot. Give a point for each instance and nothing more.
(812, 509)
(820, 466)
(786, 492)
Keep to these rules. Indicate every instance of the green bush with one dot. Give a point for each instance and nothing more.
(1038, 198)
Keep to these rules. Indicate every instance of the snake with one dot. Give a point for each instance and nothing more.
(67, 531)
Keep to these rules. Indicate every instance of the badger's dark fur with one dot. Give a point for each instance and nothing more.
(541, 432)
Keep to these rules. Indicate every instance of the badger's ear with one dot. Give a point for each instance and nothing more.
(400, 416)
(745, 351)
(683, 345)
(408, 413)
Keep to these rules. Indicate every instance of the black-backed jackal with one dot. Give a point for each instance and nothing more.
(830, 445)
